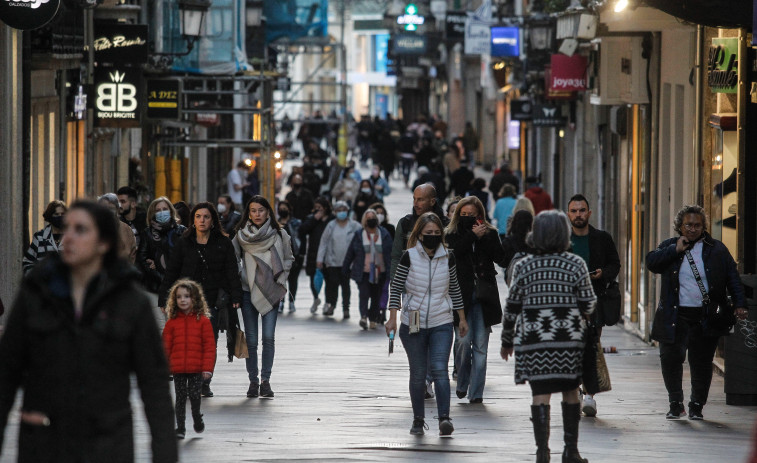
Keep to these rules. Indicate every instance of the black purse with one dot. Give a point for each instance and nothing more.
(716, 317)
(609, 304)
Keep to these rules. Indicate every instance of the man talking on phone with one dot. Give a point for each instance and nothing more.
(698, 274)
(597, 249)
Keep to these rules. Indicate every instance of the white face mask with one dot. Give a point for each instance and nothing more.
(221, 208)
(380, 217)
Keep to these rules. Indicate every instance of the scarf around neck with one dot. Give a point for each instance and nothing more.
(374, 256)
(263, 251)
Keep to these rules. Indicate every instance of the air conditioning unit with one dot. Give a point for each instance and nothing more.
(621, 71)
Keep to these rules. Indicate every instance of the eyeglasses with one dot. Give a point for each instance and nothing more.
(692, 226)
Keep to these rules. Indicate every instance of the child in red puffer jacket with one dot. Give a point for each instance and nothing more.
(190, 348)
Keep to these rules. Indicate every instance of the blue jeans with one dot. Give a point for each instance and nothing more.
(471, 357)
(428, 347)
(250, 316)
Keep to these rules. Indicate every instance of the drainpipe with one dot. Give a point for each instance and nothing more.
(698, 113)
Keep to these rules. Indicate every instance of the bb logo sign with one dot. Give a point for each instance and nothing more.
(117, 96)
(28, 14)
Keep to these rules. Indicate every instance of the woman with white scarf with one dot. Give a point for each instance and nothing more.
(265, 251)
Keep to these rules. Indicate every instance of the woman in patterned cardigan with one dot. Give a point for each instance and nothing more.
(550, 300)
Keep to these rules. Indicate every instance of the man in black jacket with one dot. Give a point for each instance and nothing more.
(597, 249)
(694, 310)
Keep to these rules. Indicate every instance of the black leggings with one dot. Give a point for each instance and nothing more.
(187, 384)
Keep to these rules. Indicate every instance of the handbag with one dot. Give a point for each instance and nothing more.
(609, 304)
(487, 294)
(596, 376)
(721, 319)
(240, 348)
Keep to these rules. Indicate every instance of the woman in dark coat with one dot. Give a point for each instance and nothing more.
(158, 239)
(79, 328)
(365, 197)
(477, 248)
(514, 242)
(310, 231)
(205, 254)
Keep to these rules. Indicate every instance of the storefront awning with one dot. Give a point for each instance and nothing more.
(713, 13)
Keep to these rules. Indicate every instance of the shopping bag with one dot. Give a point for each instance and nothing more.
(596, 376)
(240, 349)
(318, 281)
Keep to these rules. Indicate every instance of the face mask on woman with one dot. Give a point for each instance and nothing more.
(366, 190)
(466, 222)
(163, 216)
(56, 221)
(221, 208)
(431, 241)
(371, 223)
(381, 217)
(341, 215)
(283, 213)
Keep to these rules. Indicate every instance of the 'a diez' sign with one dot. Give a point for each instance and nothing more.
(117, 97)
(28, 14)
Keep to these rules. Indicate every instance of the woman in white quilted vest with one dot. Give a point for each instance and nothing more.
(426, 290)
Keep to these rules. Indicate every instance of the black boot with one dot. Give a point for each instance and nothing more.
(206, 392)
(199, 425)
(571, 413)
(540, 419)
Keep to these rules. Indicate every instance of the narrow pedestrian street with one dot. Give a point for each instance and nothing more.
(339, 396)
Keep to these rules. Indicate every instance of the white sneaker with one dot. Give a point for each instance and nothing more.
(314, 307)
(292, 309)
(589, 406)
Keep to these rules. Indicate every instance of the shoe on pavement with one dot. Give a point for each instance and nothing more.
(314, 307)
(418, 426)
(265, 389)
(461, 394)
(345, 314)
(429, 390)
(695, 411)
(292, 308)
(676, 411)
(477, 400)
(328, 309)
(373, 325)
(589, 406)
(199, 425)
(445, 426)
(252, 391)
(364, 323)
(281, 307)
(180, 433)
(206, 392)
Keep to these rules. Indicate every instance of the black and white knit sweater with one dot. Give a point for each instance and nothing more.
(543, 318)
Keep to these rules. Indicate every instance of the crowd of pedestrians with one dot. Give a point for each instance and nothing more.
(210, 263)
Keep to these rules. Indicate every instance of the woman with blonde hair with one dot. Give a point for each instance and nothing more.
(425, 288)
(158, 239)
(477, 248)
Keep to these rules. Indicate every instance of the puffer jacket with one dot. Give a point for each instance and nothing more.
(189, 343)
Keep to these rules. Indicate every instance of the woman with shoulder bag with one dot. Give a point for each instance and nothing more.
(265, 250)
(157, 242)
(477, 248)
(427, 276)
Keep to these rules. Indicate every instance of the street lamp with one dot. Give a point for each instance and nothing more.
(191, 21)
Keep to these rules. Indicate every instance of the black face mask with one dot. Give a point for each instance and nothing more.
(371, 223)
(431, 241)
(57, 221)
(283, 213)
(466, 222)
(297, 186)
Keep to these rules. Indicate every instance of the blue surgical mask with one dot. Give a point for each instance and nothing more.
(163, 216)
(341, 215)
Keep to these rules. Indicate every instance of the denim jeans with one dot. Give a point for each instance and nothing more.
(471, 356)
(689, 337)
(250, 316)
(429, 346)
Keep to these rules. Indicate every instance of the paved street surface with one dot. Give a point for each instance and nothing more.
(339, 397)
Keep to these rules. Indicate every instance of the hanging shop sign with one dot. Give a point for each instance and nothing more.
(120, 43)
(411, 19)
(455, 24)
(407, 44)
(521, 110)
(548, 116)
(477, 37)
(164, 99)
(505, 42)
(550, 93)
(568, 73)
(28, 14)
(117, 96)
(723, 65)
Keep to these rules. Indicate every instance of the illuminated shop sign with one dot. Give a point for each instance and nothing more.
(28, 14)
(117, 96)
(505, 42)
(411, 19)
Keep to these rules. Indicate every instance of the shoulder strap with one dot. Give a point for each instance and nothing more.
(695, 271)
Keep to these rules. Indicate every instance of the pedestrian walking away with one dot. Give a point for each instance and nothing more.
(698, 277)
(426, 290)
(332, 250)
(265, 250)
(597, 249)
(205, 255)
(311, 232)
(477, 248)
(79, 328)
(366, 262)
(548, 305)
(190, 348)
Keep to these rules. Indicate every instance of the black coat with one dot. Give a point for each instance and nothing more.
(312, 229)
(77, 373)
(222, 270)
(159, 251)
(602, 255)
(477, 262)
(722, 279)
